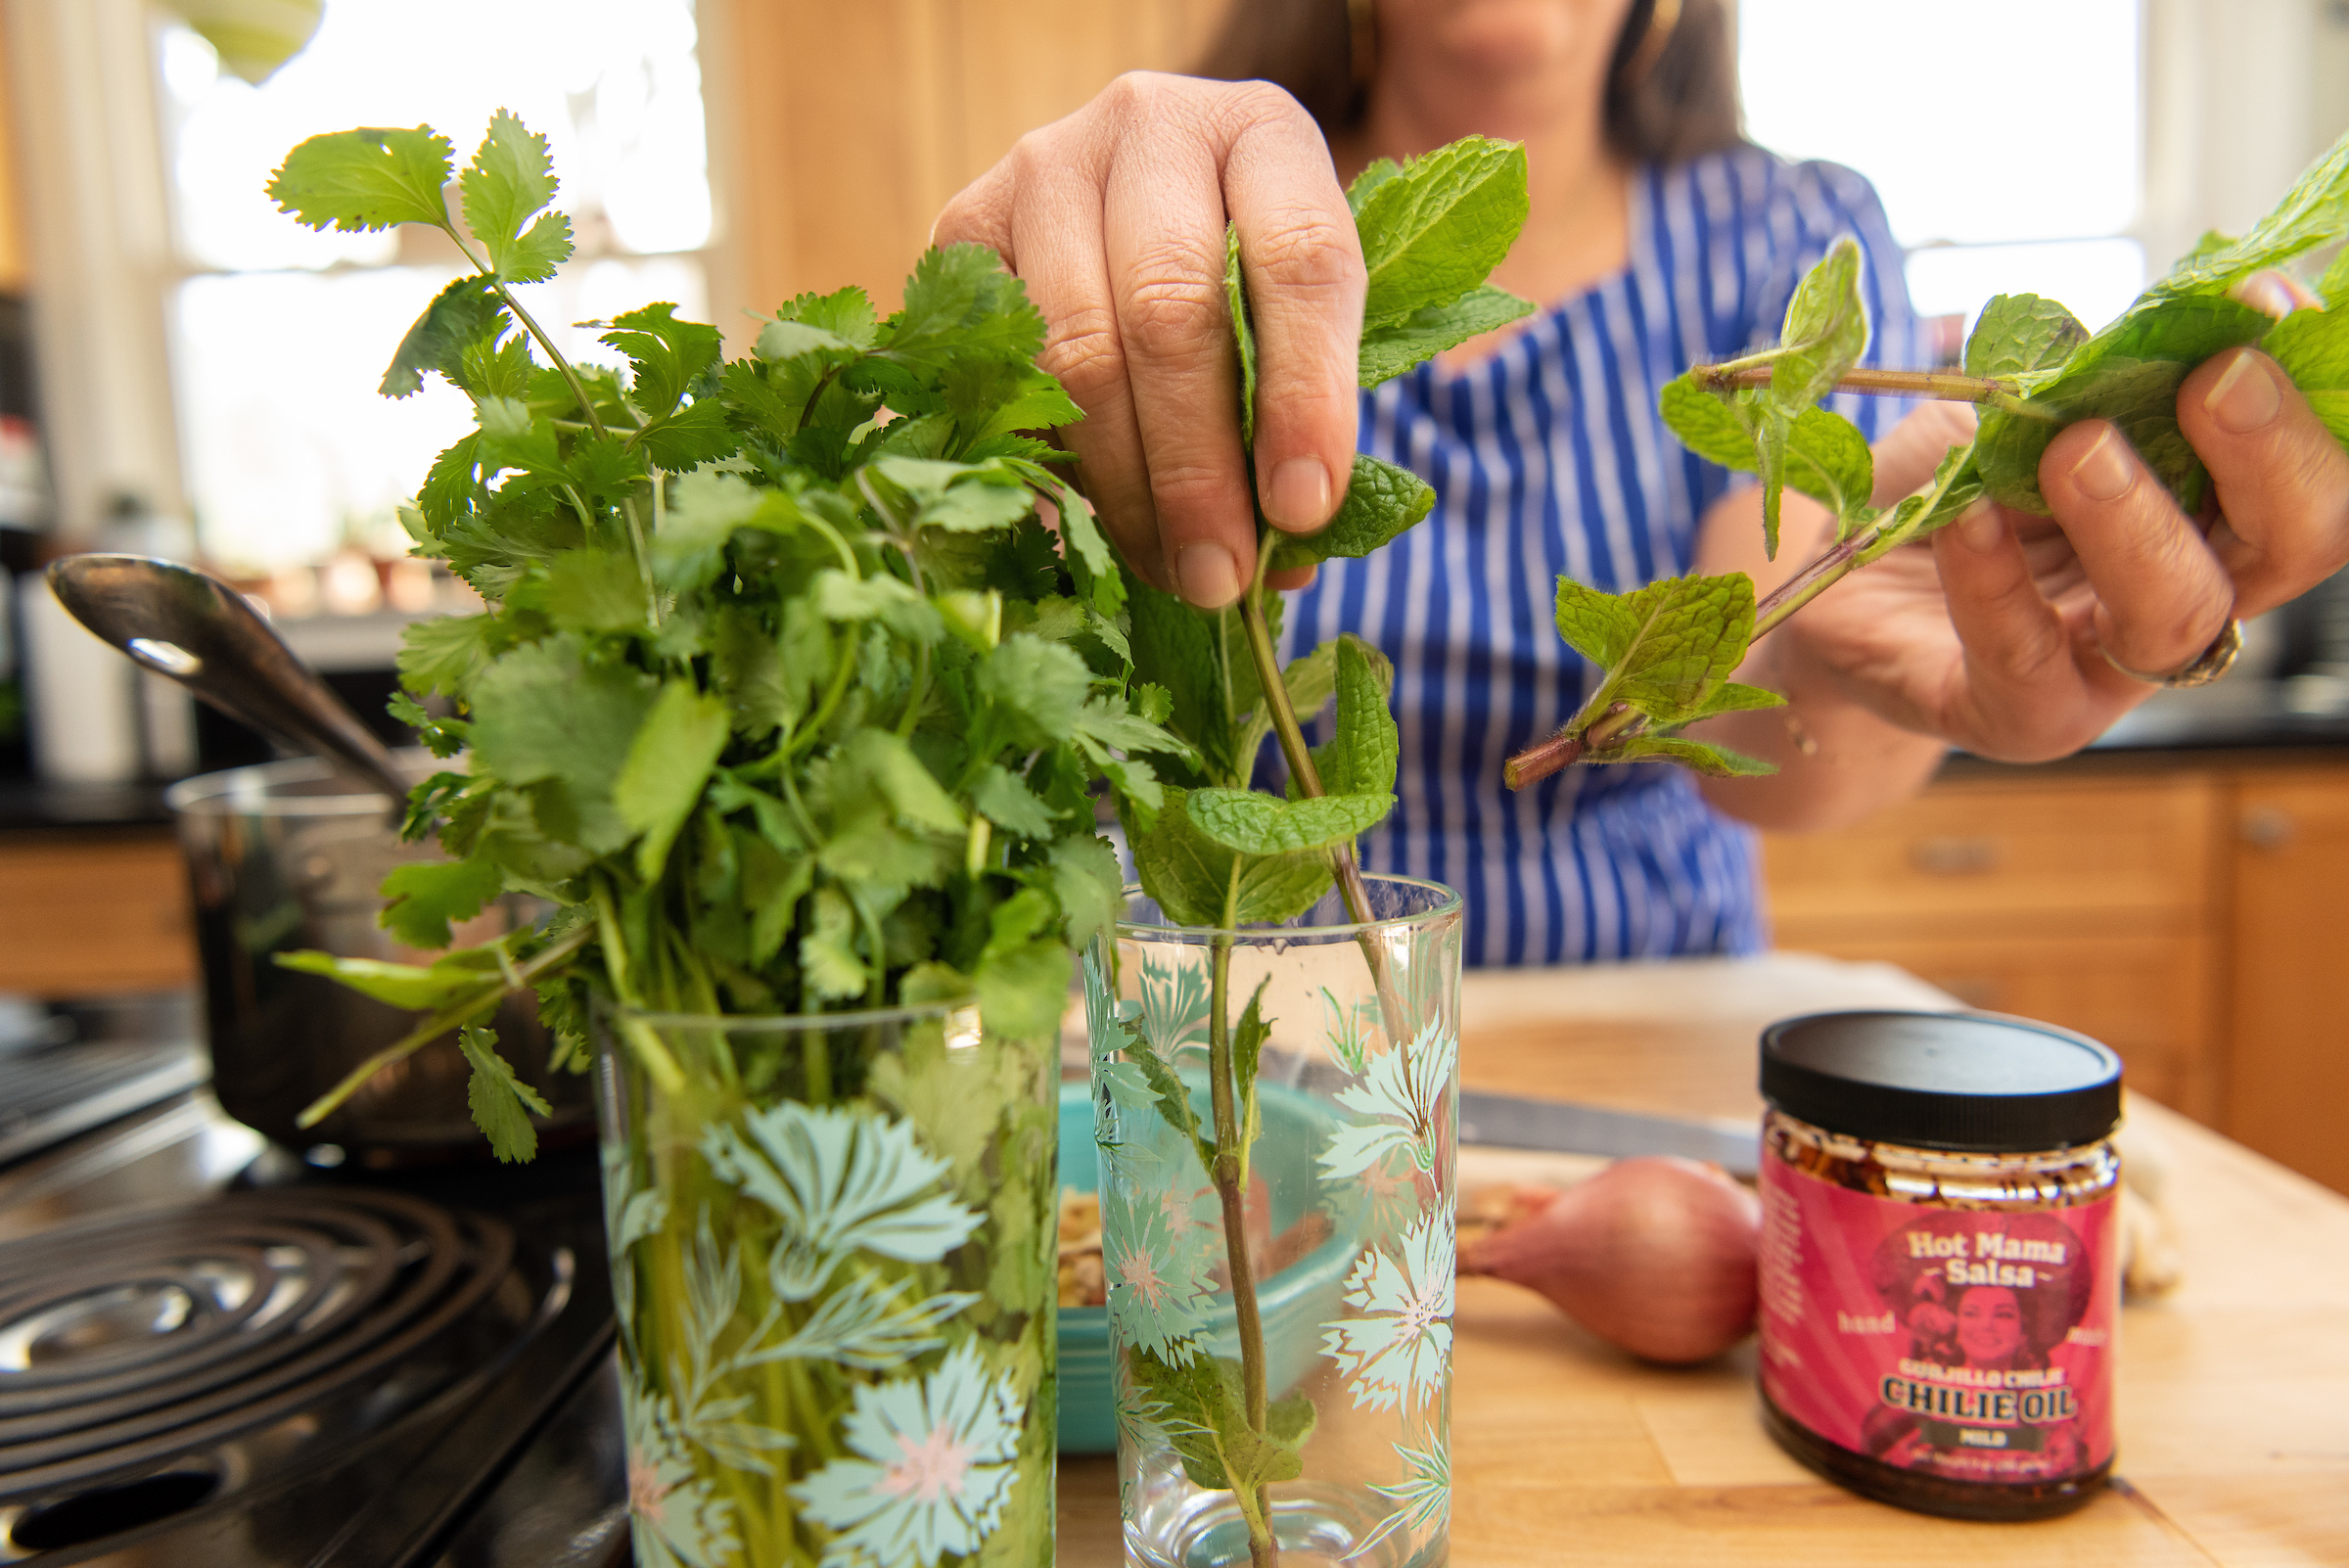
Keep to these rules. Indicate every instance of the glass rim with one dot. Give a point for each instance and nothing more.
(1452, 903)
(789, 1023)
(259, 788)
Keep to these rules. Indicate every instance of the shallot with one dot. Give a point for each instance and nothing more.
(1656, 1255)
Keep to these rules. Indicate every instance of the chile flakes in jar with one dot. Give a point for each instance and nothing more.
(1940, 1270)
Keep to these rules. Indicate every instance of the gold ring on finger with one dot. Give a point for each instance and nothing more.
(2206, 666)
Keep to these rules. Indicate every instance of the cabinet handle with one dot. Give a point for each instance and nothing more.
(1955, 856)
(2267, 828)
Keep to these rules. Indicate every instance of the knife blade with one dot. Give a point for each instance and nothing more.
(1507, 1122)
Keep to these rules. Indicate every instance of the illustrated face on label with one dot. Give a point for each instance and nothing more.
(1990, 1325)
(1971, 1344)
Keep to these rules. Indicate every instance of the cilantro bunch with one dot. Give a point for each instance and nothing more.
(1666, 650)
(786, 697)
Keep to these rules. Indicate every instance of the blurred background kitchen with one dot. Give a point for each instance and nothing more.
(186, 373)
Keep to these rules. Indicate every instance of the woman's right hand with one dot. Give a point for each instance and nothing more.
(1114, 219)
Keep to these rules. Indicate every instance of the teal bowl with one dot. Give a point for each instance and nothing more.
(1294, 1304)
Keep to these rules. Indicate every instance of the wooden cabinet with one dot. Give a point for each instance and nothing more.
(84, 914)
(2288, 1074)
(2188, 916)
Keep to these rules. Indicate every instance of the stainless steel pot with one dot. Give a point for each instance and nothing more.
(289, 856)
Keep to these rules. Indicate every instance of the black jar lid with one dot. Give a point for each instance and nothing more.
(1977, 1083)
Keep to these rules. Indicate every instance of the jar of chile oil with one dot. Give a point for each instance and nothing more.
(1940, 1270)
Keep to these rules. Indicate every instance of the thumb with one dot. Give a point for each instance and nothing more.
(1913, 448)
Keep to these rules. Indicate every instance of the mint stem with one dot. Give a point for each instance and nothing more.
(1263, 1551)
(1948, 386)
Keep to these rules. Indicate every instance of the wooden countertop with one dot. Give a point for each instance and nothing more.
(2233, 1397)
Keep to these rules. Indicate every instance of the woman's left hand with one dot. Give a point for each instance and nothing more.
(2013, 637)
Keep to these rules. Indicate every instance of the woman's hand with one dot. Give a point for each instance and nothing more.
(2010, 635)
(1115, 219)
(2012, 638)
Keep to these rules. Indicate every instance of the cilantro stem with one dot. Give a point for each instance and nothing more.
(528, 325)
(1948, 386)
(474, 1006)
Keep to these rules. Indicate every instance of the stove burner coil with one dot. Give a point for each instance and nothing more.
(125, 1340)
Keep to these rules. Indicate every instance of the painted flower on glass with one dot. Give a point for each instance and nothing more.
(1175, 999)
(1118, 1087)
(677, 1519)
(844, 1180)
(1157, 1273)
(1401, 1093)
(933, 1467)
(1397, 1350)
(1423, 1498)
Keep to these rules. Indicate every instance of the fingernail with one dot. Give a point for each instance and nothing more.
(2103, 470)
(1207, 576)
(2245, 398)
(2266, 293)
(1299, 497)
(1980, 527)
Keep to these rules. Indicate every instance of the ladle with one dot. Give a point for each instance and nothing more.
(200, 631)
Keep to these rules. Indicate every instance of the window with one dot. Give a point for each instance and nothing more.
(2004, 136)
(280, 335)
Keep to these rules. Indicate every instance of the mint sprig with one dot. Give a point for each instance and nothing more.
(786, 695)
(2031, 367)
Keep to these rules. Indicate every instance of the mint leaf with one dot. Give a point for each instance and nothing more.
(1381, 501)
(1714, 761)
(1827, 459)
(460, 315)
(1247, 1057)
(2021, 332)
(1706, 423)
(422, 899)
(508, 180)
(1362, 754)
(1374, 174)
(2315, 211)
(365, 179)
(2129, 374)
(502, 1103)
(1826, 331)
(1391, 348)
(1665, 647)
(1436, 228)
(2313, 348)
(1235, 295)
(1257, 824)
(667, 764)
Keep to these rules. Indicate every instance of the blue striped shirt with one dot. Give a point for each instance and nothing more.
(1550, 459)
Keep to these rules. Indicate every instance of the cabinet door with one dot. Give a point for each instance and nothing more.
(2288, 1072)
(85, 916)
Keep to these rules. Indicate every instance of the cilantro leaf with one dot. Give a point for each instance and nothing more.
(459, 315)
(669, 762)
(422, 899)
(666, 354)
(446, 654)
(1010, 804)
(502, 1103)
(508, 180)
(546, 715)
(1040, 685)
(365, 179)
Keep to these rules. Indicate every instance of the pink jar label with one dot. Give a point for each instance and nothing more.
(1974, 1345)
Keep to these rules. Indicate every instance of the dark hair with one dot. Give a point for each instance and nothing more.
(1682, 104)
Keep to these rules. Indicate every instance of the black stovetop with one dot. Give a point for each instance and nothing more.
(211, 1354)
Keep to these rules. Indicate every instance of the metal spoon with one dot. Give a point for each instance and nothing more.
(180, 622)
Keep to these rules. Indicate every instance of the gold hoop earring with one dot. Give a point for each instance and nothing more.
(1662, 23)
(1361, 41)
